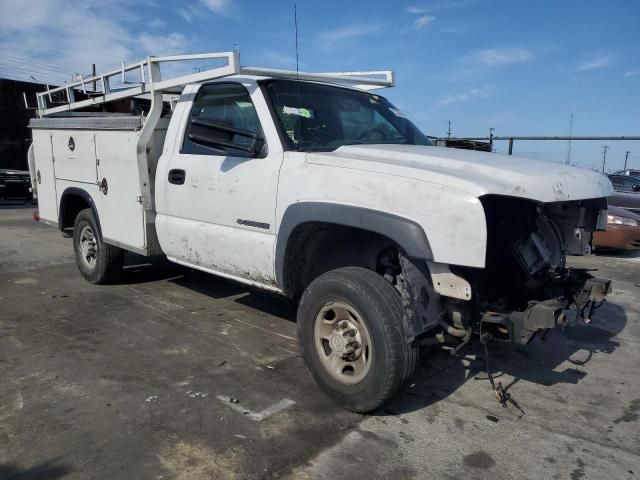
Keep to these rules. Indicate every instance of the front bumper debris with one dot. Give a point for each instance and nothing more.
(520, 327)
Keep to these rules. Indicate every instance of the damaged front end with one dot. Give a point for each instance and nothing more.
(526, 286)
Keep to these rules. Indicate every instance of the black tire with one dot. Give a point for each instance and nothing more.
(107, 266)
(394, 361)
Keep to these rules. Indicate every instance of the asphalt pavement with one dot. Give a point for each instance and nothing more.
(175, 374)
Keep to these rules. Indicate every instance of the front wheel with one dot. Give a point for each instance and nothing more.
(351, 335)
(98, 262)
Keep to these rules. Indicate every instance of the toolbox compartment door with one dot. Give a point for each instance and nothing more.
(122, 215)
(44, 175)
(75, 155)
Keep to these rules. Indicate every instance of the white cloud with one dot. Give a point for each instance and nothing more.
(187, 15)
(598, 59)
(423, 21)
(500, 56)
(276, 59)
(482, 92)
(171, 44)
(333, 38)
(439, 6)
(221, 7)
(416, 10)
(632, 73)
(157, 23)
(51, 40)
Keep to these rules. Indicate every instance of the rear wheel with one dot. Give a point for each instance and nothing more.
(97, 261)
(351, 335)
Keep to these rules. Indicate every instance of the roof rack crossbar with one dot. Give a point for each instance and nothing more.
(150, 80)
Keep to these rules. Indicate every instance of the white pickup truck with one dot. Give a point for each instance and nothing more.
(313, 187)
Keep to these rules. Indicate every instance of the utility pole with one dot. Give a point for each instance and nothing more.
(568, 162)
(604, 156)
(449, 131)
(626, 157)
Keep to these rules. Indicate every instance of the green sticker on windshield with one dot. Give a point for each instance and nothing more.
(302, 112)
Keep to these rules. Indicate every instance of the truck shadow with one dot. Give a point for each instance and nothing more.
(560, 357)
(140, 269)
(50, 470)
(619, 254)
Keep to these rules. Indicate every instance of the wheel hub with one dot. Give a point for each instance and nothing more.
(88, 246)
(337, 343)
(342, 342)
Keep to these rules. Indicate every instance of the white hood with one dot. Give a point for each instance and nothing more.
(477, 173)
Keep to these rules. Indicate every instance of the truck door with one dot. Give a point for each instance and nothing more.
(218, 210)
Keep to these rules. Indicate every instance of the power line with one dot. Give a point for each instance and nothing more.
(30, 61)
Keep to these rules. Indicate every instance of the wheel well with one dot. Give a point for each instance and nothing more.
(70, 206)
(317, 247)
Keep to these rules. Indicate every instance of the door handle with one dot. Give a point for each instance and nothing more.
(177, 177)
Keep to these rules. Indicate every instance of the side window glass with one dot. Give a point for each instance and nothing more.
(228, 106)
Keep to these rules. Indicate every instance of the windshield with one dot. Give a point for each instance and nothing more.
(314, 117)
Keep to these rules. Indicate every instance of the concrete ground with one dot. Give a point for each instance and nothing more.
(175, 374)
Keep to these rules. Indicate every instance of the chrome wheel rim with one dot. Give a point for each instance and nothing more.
(88, 247)
(343, 343)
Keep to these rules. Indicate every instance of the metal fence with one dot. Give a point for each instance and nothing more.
(489, 142)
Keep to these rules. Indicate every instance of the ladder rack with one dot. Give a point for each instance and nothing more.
(150, 81)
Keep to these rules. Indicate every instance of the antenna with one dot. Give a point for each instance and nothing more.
(568, 161)
(295, 21)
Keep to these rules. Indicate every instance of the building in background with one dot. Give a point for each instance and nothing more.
(15, 136)
(464, 144)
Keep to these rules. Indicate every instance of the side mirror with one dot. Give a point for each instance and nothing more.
(218, 137)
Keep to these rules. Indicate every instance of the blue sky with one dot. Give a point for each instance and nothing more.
(520, 67)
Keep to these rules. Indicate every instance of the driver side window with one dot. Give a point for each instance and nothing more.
(227, 105)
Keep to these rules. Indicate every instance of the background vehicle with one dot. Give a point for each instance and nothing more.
(625, 183)
(623, 231)
(628, 172)
(628, 201)
(294, 183)
(15, 184)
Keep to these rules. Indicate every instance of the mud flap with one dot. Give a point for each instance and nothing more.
(421, 302)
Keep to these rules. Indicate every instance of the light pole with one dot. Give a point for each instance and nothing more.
(604, 156)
